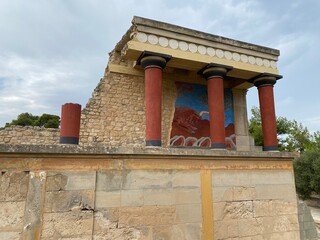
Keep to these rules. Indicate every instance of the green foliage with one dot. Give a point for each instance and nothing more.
(27, 119)
(292, 136)
(48, 121)
(307, 173)
(255, 127)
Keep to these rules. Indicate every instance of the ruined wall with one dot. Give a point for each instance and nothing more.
(146, 195)
(29, 135)
(115, 115)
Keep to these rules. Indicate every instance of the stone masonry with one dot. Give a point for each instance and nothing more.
(29, 135)
(109, 193)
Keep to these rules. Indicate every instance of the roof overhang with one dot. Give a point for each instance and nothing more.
(193, 50)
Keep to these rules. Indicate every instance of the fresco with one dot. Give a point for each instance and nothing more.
(190, 126)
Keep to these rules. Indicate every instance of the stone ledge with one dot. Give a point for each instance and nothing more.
(92, 150)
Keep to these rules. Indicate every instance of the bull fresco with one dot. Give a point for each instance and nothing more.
(190, 126)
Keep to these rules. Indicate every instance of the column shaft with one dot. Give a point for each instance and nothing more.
(268, 117)
(153, 64)
(216, 112)
(153, 98)
(70, 123)
(214, 74)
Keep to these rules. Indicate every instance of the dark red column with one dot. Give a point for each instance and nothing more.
(153, 64)
(214, 74)
(70, 123)
(265, 83)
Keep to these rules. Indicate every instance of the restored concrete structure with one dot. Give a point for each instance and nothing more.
(133, 174)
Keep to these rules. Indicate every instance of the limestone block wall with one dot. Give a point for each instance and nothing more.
(13, 194)
(90, 193)
(115, 115)
(29, 135)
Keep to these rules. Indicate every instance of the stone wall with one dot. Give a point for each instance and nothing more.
(115, 114)
(146, 194)
(29, 135)
(13, 195)
(308, 230)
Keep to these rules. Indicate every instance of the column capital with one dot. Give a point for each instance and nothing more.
(152, 59)
(213, 70)
(265, 79)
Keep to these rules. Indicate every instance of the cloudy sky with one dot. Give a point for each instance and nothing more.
(55, 51)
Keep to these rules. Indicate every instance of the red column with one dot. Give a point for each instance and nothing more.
(70, 123)
(214, 74)
(265, 83)
(153, 66)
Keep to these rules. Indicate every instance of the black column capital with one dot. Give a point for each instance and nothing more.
(152, 59)
(265, 79)
(214, 70)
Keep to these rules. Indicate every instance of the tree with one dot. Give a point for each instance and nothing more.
(307, 173)
(27, 119)
(292, 136)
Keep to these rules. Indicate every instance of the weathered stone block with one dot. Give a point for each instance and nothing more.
(14, 186)
(10, 235)
(158, 197)
(107, 199)
(244, 193)
(283, 236)
(11, 215)
(132, 198)
(186, 196)
(163, 232)
(106, 227)
(109, 180)
(231, 178)
(139, 179)
(218, 210)
(147, 216)
(222, 194)
(275, 177)
(186, 179)
(263, 208)
(64, 201)
(80, 180)
(277, 192)
(56, 182)
(67, 224)
(189, 213)
(226, 229)
(238, 210)
(250, 227)
(190, 231)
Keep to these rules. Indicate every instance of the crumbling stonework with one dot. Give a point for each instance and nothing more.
(115, 115)
(29, 135)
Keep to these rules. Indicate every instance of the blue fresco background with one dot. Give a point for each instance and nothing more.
(195, 96)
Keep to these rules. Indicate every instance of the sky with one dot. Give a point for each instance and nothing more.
(55, 51)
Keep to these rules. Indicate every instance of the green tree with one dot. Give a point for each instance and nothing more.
(292, 136)
(307, 173)
(48, 121)
(27, 119)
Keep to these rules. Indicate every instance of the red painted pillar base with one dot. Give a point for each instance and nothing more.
(214, 74)
(70, 123)
(153, 64)
(265, 83)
